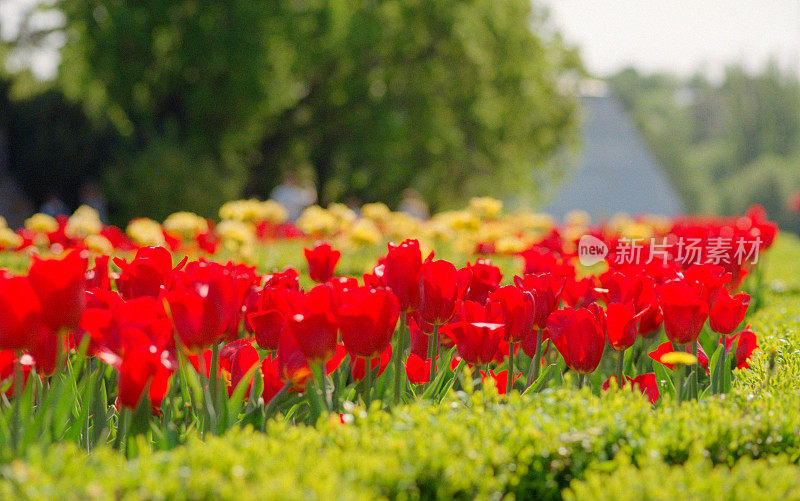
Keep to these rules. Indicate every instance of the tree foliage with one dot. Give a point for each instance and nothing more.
(452, 97)
(725, 145)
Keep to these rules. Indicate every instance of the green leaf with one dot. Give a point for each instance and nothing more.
(542, 380)
(237, 397)
(715, 366)
(663, 379)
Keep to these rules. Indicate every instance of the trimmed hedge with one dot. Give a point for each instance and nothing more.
(698, 478)
(481, 446)
(472, 446)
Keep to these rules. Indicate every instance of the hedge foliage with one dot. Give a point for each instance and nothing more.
(557, 443)
(698, 478)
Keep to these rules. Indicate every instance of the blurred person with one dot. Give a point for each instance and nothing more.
(93, 196)
(54, 206)
(293, 196)
(354, 204)
(413, 204)
(794, 202)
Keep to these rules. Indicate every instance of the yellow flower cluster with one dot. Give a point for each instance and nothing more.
(83, 222)
(8, 239)
(482, 224)
(41, 223)
(485, 208)
(186, 224)
(145, 231)
(235, 234)
(253, 210)
(316, 221)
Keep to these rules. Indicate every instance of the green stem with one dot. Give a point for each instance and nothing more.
(433, 344)
(695, 375)
(15, 418)
(510, 378)
(580, 380)
(272, 403)
(369, 379)
(213, 377)
(399, 374)
(123, 423)
(536, 362)
(313, 392)
(679, 381)
(620, 367)
(718, 380)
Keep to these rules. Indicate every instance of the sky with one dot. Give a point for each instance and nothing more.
(680, 36)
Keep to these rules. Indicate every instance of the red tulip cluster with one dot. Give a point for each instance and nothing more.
(230, 322)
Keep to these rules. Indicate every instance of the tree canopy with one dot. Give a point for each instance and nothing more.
(214, 99)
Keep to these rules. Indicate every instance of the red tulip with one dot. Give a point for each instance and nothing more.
(46, 346)
(337, 359)
(477, 342)
(288, 278)
(640, 292)
(314, 326)
(322, 261)
(621, 326)
(401, 272)
(685, 311)
(60, 285)
(710, 276)
(441, 285)
(266, 322)
(292, 364)
(529, 346)
(245, 279)
(546, 289)
(20, 312)
(235, 359)
(340, 284)
(666, 347)
(518, 310)
(124, 325)
(418, 369)
(486, 278)
(579, 338)
(645, 383)
(746, 343)
(500, 380)
(419, 339)
(367, 319)
(543, 260)
(471, 311)
(149, 271)
(272, 379)
(8, 359)
(138, 368)
(98, 277)
(203, 302)
(359, 364)
(580, 293)
(727, 311)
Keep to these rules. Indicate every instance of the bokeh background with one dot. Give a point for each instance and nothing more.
(146, 107)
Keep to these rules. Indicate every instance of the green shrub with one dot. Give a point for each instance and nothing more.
(468, 447)
(698, 478)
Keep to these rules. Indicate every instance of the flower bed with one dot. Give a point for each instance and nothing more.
(150, 351)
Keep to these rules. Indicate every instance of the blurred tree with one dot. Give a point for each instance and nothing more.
(455, 97)
(725, 145)
(53, 148)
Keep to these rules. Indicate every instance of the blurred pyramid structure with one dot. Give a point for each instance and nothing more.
(615, 170)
